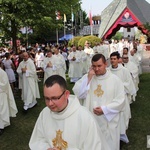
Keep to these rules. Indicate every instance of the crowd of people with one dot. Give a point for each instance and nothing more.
(105, 79)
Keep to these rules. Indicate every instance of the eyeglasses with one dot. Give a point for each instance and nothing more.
(55, 98)
(125, 58)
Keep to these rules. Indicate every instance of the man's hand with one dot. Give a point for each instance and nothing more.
(23, 70)
(49, 65)
(91, 73)
(73, 59)
(98, 111)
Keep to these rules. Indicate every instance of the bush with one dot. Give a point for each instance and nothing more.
(91, 39)
(74, 41)
(118, 36)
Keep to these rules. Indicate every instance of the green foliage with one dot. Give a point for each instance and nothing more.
(139, 123)
(74, 41)
(91, 39)
(117, 36)
(138, 33)
(147, 27)
(39, 15)
(86, 19)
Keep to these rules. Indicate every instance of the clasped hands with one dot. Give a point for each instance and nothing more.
(98, 111)
(73, 59)
(49, 65)
(23, 70)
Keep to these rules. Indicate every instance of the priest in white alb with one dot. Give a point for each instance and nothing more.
(75, 62)
(7, 103)
(83, 60)
(60, 63)
(49, 66)
(64, 124)
(133, 69)
(89, 51)
(103, 93)
(125, 76)
(30, 89)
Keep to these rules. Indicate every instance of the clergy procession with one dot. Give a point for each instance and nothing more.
(96, 115)
(73, 78)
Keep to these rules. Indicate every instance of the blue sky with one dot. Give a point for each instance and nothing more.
(96, 6)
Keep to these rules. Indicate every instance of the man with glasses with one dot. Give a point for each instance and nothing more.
(133, 69)
(64, 123)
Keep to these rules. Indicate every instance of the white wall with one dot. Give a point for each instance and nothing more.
(127, 33)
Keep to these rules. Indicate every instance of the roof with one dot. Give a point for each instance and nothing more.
(140, 10)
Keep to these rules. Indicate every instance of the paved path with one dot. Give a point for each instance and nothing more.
(146, 61)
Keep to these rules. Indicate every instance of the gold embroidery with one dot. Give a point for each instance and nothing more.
(58, 142)
(99, 92)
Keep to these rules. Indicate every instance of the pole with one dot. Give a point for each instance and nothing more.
(27, 37)
(75, 24)
(91, 29)
(91, 24)
(64, 30)
(72, 19)
(57, 35)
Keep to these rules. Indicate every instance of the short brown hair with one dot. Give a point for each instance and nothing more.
(96, 57)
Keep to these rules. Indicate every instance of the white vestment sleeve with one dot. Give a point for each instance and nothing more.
(44, 67)
(54, 67)
(84, 58)
(38, 141)
(27, 73)
(109, 113)
(77, 60)
(81, 89)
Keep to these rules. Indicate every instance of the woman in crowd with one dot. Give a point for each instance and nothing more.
(9, 68)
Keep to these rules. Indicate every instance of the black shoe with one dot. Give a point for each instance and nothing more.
(24, 111)
(72, 82)
(34, 105)
(1, 131)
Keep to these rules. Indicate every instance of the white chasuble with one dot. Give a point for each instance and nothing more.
(49, 71)
(78, 126)
(30, 90)
(130, 90)
(7, 103)
(106, 91)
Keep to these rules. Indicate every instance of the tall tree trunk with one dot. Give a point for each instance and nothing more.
(14, 36)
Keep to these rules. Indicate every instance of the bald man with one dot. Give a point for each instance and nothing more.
(30, 90)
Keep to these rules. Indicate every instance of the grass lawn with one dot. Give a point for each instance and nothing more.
(17, 135)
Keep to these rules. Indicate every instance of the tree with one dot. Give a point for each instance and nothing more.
(38, 14)
(117, 36)
(17, 13)
(147, 27)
